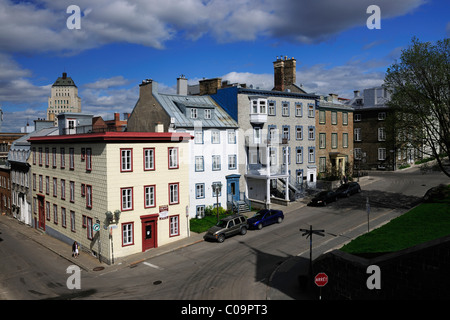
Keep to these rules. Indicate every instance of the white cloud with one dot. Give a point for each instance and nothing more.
(27, 27)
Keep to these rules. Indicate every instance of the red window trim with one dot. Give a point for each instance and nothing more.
(63, 194)
(178, 229)
(154, 192)
(87, 197)
(87, 229)
(89, 159)
(63, 159)
(168, 158)
(131, 159)
(121, 229)
(154, 163)
(178, 191)
(132, 200)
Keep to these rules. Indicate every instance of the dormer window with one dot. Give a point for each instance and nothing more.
(207, 113)
(193, 113)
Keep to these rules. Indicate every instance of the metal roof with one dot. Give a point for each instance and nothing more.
(175, 105)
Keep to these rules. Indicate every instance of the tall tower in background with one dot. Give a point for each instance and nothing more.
(64, 98)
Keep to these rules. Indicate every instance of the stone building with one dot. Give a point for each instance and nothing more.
(63, 98)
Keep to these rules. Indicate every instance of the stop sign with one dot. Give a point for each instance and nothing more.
(321, 279)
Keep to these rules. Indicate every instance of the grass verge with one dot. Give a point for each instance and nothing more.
(426, 222)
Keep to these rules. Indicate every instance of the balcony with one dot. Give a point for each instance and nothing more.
(266, 171)
(258, 118)
(272, 141)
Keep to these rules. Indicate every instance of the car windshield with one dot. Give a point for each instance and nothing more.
(343, 187)
(222, 224)
(260, 214)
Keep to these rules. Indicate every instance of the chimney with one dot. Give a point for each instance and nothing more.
(210, 86)
(356, 93)
(116, 117)
(159, 127)
(64, 76)
(284, 73)
(182, 85)
(146, 89)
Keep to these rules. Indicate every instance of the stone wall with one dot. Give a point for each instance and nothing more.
(420, 272)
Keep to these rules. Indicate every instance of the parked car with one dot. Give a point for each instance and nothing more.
(347, 189)
(227, 227)
(264, 218)
(323, 198)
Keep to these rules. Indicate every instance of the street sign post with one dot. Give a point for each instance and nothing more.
(308, 233)
(321, 279)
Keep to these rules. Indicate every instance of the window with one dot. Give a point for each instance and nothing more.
(207, 113)
(357, 134)
(174, 226)
(127, 234)
(63, 158)
(127, 198)
(88, 159)
(381, 153)
(88, 196)
(34, 181)
(55, 187)
(253, 156)
(232, 137)
(55, 214)
(345, 118)
(199, 190)
(356, 117)
(298, 132)
(310, 111)
(54, 157)
(345, 140)
(63, 217)
(382, 116)
(173, 193)
(285, 132)
(381, 134)
(254, 106)
(149, 193)
(262, 106)
(40, 183)
(333, 117)
(149, 159)
(358, 154)
(322, 119)
(232, 162)
(272, 156)
(63, 189)
(334, 140)
(72, 220)
(311, 131)
(298, 110)
(40, 156)
(299, 176)
(285, 109)
(126, 160)
(194, 113)
(216, 162)
(46, 157)
(47, 185)
(83, 189)
(71, 158)
(173, 158)
(47, 210)
(215, 136)
(256, 135)
(199, 164)
(90, 234)
(311, 155)
(322, 164)
(34, 155)
(286, 153)
(198, 137)
(200, 211)
(72, 191)
(322, 140)
(272, 108)
(299, 155)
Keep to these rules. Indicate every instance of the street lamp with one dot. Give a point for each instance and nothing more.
(217, 187)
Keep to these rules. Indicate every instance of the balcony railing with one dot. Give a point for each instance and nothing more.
(272, 140)
(91, 129)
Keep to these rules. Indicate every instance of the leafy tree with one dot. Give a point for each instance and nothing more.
(420, 97)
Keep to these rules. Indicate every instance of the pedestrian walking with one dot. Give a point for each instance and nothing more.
(75, 250)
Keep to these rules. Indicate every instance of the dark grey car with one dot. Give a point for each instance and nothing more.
(227, 227)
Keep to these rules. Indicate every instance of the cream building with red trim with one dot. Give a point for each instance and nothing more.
(132, 185)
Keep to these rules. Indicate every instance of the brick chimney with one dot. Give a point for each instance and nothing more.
(284, 73)
(210, 86)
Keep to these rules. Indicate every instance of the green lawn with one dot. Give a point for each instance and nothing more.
(423, 223)
(201, 225)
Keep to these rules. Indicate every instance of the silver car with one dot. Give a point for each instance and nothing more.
(227, 227)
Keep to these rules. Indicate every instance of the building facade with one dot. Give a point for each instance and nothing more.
(63, 98)
(115, 193)
(334, 139)
(213, 153)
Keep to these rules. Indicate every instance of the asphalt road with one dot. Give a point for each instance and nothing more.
(241, 268)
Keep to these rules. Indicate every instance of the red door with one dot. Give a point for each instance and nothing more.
(149, 233)
(41, 212)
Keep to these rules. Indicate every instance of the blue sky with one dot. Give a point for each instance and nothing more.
(121, 42)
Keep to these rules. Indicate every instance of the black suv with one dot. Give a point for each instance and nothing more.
(227, 227)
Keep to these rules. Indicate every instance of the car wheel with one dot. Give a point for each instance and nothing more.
(243, 230)
(260, 226)
(280, 219)
(221, 238)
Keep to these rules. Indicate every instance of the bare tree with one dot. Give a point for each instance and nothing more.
(420, 98)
